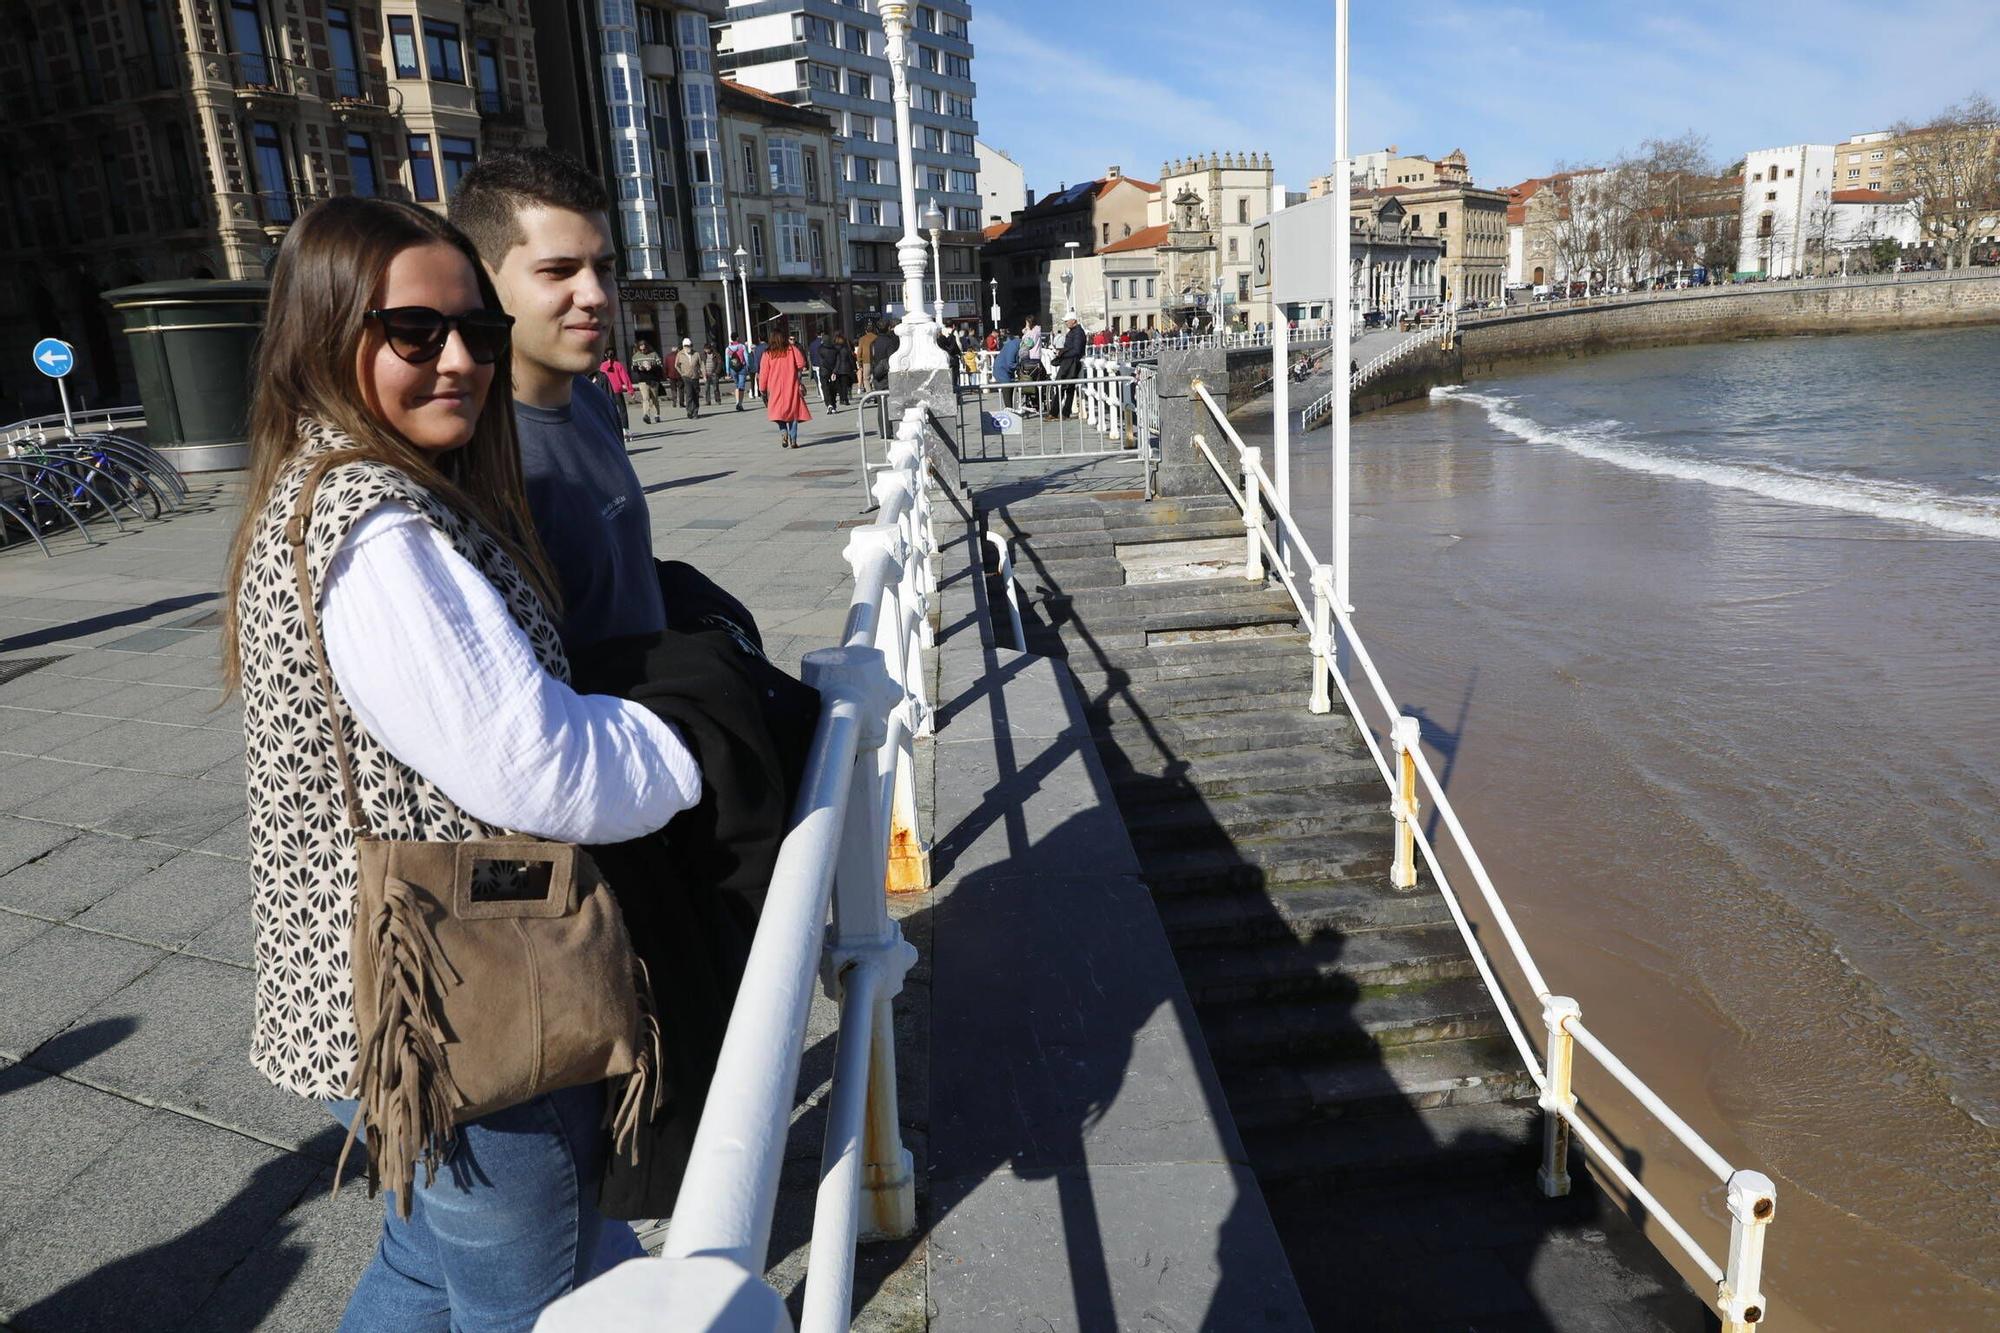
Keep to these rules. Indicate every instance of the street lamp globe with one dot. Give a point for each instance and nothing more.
(933, 218)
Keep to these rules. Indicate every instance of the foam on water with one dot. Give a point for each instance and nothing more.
(1963, 515)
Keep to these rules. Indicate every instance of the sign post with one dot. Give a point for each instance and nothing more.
(56, 358)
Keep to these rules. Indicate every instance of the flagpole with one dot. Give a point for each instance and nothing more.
(1343, 343)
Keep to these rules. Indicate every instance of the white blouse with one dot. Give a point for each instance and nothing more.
(427, 656)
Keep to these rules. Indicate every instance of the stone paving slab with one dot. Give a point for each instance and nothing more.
(150, 1178)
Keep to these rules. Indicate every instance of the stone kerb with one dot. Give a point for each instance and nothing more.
(1183, 471)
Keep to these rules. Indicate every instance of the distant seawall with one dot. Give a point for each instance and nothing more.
(1753, 310)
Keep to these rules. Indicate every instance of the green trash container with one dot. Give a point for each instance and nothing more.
(193, 345)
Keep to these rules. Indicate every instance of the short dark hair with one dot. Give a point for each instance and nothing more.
(488, 201)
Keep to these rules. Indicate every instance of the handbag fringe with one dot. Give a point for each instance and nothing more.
(634, 1105)
(407, 1098)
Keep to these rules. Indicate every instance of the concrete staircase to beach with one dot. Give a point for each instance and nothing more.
(1364, 1062)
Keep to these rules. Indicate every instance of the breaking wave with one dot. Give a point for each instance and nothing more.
(1963, 515)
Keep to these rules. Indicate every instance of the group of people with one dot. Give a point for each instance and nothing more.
(774, 370)
(1030, 357)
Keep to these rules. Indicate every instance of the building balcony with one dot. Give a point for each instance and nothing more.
(485, 16)
(144, 77)
(358, 96)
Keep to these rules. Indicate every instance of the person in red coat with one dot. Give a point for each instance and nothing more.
(780, 378)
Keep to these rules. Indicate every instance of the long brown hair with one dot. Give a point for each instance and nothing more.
(328, 273)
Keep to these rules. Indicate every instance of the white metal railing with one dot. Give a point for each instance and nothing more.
(853, 835)
(1724, 287)
(1104, 410)
(1004, 549)
(1751, 1197)
(1302, 331)
(1321, 408)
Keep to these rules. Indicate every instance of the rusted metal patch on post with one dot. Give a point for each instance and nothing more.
(909, 863)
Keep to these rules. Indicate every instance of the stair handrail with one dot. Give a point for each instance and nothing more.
(852, 834)
(1751, 1196)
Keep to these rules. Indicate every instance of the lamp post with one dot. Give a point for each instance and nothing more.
(993, 311)
(722, 259)
(1069, 279)
(1343, 344)
(933, 221)
(743, 276)
(916, 339)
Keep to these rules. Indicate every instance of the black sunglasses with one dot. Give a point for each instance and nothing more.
(418, 333)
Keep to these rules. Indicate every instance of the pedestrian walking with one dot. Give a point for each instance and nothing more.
(736, 359)
(816, 358)
(393, 643)
(711, 374)
(864, 348)
(648, 370)
(885, 345)
(1004, 361)
(617, 381)
(756, 364)
(781, 375)
(842, 377)
(687, 365)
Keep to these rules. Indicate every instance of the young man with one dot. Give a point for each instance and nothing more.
(736, 359)
(687, 364)
(539, 221)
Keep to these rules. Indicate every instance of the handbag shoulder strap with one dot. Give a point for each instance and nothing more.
(295, 534)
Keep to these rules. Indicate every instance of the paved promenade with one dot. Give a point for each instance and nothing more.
(149, 1177)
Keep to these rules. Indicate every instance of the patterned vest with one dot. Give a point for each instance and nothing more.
(302, 857)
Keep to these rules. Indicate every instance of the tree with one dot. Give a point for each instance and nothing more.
(1951, 163)
(1820, 228)
(1883, 254)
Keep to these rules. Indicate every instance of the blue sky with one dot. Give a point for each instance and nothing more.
(1071, 88)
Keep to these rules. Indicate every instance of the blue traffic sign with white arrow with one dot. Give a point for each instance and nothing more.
(54, 358)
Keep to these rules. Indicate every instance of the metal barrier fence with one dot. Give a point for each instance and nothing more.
(1304, 331)
(1750, 1196)
(1107, 410)
(52, 480)
(853, 834)
(106, 419)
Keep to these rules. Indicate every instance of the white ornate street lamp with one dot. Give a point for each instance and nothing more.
(1069, 280)
(743, 276)
(993, 312)
(916, 337)
(934, 224)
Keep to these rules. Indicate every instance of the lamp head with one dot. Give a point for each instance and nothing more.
(933, 218)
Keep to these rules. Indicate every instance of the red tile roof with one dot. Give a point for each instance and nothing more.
(1869, 197)
(1148, 238)
(995, 229)
(757, 93)
(1105, 185)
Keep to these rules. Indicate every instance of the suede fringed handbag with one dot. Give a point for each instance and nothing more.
(486, 972)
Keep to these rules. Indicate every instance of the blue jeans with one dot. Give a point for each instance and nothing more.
(509, 1225)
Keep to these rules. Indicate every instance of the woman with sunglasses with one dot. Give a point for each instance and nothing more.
(386, 350)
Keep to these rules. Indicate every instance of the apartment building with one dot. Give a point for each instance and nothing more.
(181, 138)
(783, 206)
(831, 55)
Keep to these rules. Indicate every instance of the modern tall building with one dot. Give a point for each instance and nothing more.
(181, 138)
(631, 92)
(1002, 183)
(831, 55)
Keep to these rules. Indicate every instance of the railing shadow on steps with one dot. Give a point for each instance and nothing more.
(1353, 1275)
(1340, 657)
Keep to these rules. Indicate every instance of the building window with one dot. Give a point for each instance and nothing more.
(933, 141)
(961, 143)
(246, 38)
(965, 219)
(861, 256)
(809, 28)
(361, 165)
(160, 47)
(929, 99)
(825, 78)
(113, 171)
(346, 53)
(860, 126)
(960, 107)
(1243, 286)
(812, 174)
(818, 236)
(854, 39)
(757, 246)
(927, 57)
(793, 256)
(964, 182)
(1789, 173)
(458, 155)
(423, 171)
(1854, 173)
(1114, 289)
(1232, 247)
(958, 67)
(274, 175)
(926, 19)
(1149, 288)
(934, 178)
(750, 172)
(652, 26)
(867, 213)
(951, 25)
(862, 169)
(1770, 196)
(442, 51)
(403, 45)
(787, 173)
(1875, 156)
(858, 85)
(486, 57)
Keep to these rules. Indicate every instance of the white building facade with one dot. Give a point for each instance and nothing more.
(1003, 185)
(831, 55)
(1786, 191)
